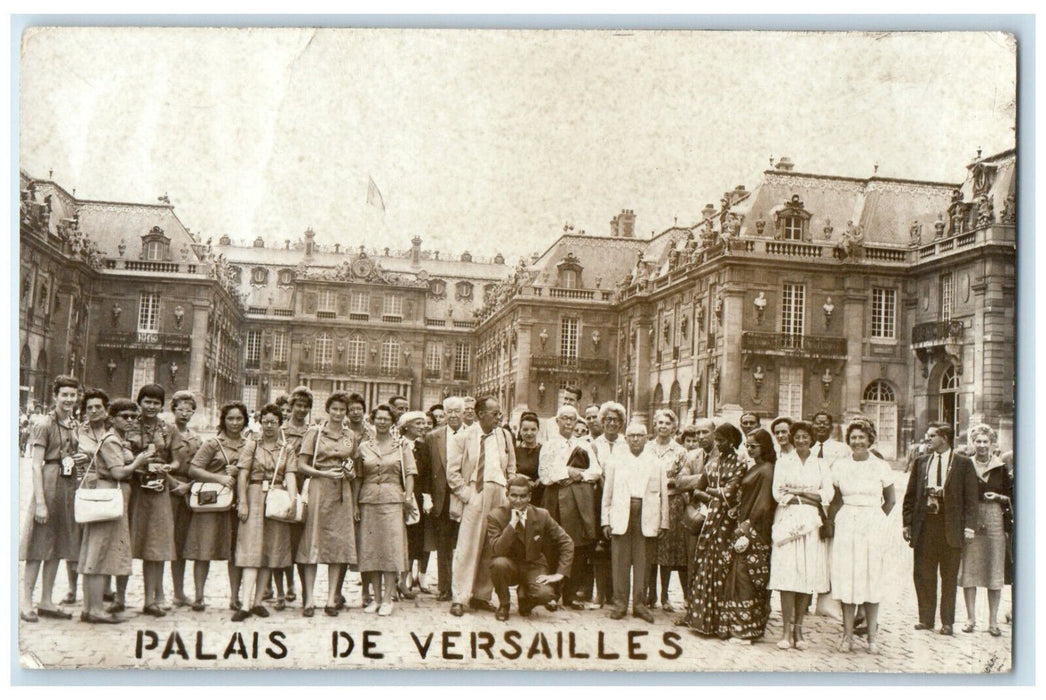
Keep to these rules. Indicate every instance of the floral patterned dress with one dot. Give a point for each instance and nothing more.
(713, 557)
(746, 604)
(671, 549)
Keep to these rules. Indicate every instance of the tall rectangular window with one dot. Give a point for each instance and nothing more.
(793, 304)
(250, 393)
(947, 296)
(884, 312)
(392, 305)
(461, 361)
(390, 355)
(252, 345)
(360, 303)
(793, 228)
(568, 333)
(149, 312)
(328, 301)
(790, 393)
(144, 372)
(433, 359)
(279, 346)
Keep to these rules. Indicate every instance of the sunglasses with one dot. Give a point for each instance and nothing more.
(127, 416)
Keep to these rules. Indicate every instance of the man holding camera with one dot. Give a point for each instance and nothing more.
(940, 516)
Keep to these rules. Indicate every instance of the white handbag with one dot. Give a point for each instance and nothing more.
(279, 505)
(97, 505)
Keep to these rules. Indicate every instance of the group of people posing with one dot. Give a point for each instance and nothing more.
(583, 517)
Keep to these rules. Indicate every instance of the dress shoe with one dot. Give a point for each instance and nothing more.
(198, 606)
(330, 610)
(424, 589)
(921, 626)
(69, 599)
(667, 607)
(574, 605)
(101, 619)
(643, 614)
(405, 594)
(861, 630)
(291, 596)
(385, 609)
(308, 612)
(54, 614)
(281, 604)
(371, 607)
(969, 627)
(616, 614)
(443, 597)
(502, 613)
(340, 602)
(116, 608)
(30, 616)
(946, 630)
(481, 605)
(181, 602)
(681, 622)
(552, 605)
(457, 609)
(260, 611)
(154, 610)
(995, 631)
(240, 615)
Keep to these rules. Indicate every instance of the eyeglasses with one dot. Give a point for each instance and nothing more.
(127, 416)
(270, 422)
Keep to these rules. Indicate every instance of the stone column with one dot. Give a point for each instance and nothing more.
(854, 305)
(197, 358)
(642, 371)
(730, 375)
(524, 390)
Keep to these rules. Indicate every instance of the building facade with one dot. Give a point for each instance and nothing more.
(888, 297)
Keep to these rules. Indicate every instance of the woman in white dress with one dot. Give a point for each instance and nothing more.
(799, 559)
(864, 498)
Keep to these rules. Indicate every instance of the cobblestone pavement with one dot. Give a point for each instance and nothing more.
(422, 634)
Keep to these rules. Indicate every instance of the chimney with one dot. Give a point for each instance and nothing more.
(785, 163)
(259, 242)
(310, 242)
(627, 219)
(415, 251)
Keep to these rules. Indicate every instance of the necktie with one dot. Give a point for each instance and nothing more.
(820, 452)
(481, 462)
(519, 523)
(937, 466)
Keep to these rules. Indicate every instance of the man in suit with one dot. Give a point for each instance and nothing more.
(940, 516)
(518, 534)
(477, 478)
(634, 514)
(442, 449)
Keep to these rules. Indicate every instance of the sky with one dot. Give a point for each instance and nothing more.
(491, 141)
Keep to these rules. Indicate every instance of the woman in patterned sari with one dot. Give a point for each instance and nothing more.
(719, 487)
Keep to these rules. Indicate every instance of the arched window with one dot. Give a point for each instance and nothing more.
(324, 352)
(948, 403)
(357, 353)
(880, 406)
(674, 397)
(659, 397)
(390, 355)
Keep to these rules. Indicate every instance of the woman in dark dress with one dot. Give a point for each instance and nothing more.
(184, 444)
(212, 535)
(420, 536)
(528, 452)
(720, 487)
(746, 601)
(984, 558)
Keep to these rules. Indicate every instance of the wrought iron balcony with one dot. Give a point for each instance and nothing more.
(937, 332)
(145, 340)
(754, 343)
(569, 365)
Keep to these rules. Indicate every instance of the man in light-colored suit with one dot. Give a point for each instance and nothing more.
(634, 514)
(442, 452)
(477, 480)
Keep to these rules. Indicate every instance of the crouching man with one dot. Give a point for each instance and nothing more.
(518, 535)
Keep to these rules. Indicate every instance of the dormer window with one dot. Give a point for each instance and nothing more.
(569, 270)
(791, 220)
(155, 245)
(793, 228)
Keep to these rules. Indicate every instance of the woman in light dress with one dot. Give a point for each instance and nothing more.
(799, 558)
(863, 500)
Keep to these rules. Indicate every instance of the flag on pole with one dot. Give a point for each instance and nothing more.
(374, 197)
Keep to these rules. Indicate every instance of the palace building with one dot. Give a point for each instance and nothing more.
(889, 297)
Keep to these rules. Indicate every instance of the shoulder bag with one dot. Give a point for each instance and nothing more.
(97, 505)
(278, 502)
(210, 496)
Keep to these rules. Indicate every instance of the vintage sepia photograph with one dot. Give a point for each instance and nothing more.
(533, 349)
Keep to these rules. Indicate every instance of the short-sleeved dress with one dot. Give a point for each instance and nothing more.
(383, 541)
(329, 535)
(184, 446)
(105, 548)
(672, 549)
(262, 542)
(152, 518)
(211, 536)
(59, 537)
(858, 552)
(799, 558)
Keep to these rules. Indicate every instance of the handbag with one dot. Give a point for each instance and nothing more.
(210, 496)
(694, 516)
(279, 505)
(413, 516)
(97, 505)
